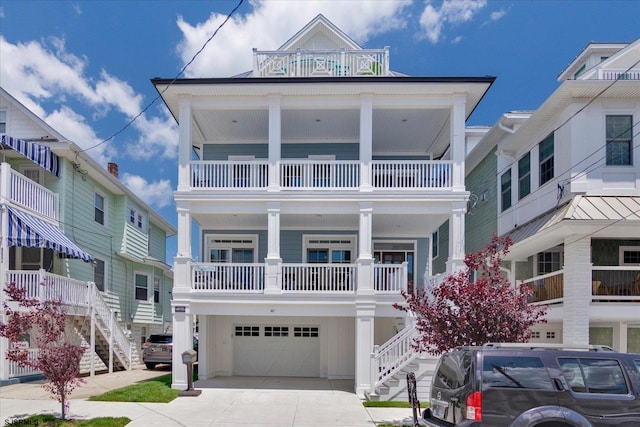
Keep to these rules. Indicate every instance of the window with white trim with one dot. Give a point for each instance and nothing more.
(276, 331)
(524, 176)
(435, 244)
(156, 290)
(141, 287)
(548, 262)
(339, 249)
(546, 159)
(619, 147)
(100, 208)
(629, 255)
(305, 331)
(3, 121)
(505, 190)
(240, 248)
(136, 218)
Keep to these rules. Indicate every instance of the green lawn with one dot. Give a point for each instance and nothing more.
(386, 404)
(51, 421)
(156, 390)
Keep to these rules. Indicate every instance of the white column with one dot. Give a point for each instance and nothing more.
(92, 340)
(204, 364)
(275, 142)
(577, 291)
(5, 195)
(182, 260)
(365, 313)
(184, 144)
(366, 141)
(4, 346)
(182, 340)
(365, 257)
(456, 237)
(458, 141)
(273, 283)
(184, 233)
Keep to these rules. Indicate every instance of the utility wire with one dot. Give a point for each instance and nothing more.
(144, 110)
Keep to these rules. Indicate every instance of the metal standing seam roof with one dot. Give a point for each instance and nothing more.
(582, 208)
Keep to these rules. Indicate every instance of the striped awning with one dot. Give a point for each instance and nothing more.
(31, 232)
(39, 154)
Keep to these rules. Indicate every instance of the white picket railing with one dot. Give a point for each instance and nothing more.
(229, 174)
(619, 74)
(390, 357)
(17, 370)
(393, 174)
(236, 277)
(315, 174)
(31, 195)
(390, 278)
(318, 277)
(321, 63)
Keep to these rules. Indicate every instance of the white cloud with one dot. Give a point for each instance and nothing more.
(271, 23)
(157, 194)
(450, 13)
(40, 71)
(497, 15)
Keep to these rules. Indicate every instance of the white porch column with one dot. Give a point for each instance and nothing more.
(366, 141)
(204, 364)
(365, 313)
(275, 142)
(458, 117)
(273, 282)
(184, 144)
(182, 260)
(182, 340)
(577, 291)
(365, 257)
(456, 237)
(5, 193)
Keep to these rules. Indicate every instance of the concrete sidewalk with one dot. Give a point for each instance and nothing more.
(225, 401)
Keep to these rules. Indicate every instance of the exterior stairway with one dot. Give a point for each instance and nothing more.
(392, 361)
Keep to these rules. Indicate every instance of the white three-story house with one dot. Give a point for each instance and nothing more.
(316, 181)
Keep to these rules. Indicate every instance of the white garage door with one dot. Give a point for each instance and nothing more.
(282, 351)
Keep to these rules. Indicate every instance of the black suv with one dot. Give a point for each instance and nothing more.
(524, 386)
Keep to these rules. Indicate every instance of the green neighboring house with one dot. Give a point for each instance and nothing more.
(67, 221)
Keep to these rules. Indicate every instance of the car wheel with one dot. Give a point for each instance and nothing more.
(150, 365)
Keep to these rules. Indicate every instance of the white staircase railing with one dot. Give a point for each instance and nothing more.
(390, 357)
(108, 325)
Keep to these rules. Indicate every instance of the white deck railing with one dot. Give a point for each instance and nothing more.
(236, 277)
(17, 370)
(331, 175)
(327, 278)
(31, 195)
(229, 174)
(390, 278)
(390, 357)
(393, 174)
(321, 63)
(43, 286)
(615, 283)
(619, 75)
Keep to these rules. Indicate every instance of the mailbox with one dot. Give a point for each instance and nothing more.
(189, 356)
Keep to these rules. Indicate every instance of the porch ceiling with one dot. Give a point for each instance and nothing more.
(406, 226)
(395, 131)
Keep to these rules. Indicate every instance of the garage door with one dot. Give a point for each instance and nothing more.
(276, 350)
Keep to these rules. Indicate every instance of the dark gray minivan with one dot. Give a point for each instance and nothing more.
(525, 386)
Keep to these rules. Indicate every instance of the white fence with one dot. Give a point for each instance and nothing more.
(318, 277)
(31, 195)
(235, 277)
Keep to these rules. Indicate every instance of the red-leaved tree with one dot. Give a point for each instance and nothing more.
(58, 358)
(459, 311)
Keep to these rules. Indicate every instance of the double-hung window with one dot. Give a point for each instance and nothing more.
(98, 274)
(3, 121)
(619, 140)
(99, 209)
(524, 176)
(545, 154)
(141, 284)
(505, 190)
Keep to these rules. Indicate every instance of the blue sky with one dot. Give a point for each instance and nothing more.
(84, 66)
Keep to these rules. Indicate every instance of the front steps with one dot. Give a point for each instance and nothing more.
(395, 388)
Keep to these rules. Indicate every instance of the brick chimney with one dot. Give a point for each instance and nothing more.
(113, 169)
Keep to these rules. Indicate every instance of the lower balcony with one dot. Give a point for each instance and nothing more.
(326, 279)
(608, 284)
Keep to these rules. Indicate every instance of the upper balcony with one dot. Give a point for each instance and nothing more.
(321, 63)
(319, 175)
(28, 194)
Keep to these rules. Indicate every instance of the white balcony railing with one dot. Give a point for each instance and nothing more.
(228, 277)
(313, 174)
(318, 277)
(17, 370)
(615, 283)
(619, 75)
(327, 175)
(31, 195)
(390, 278)
(321, 63)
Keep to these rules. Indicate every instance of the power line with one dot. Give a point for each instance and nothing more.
(159, 95)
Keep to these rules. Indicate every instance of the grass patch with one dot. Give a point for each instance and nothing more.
(51, 421)
(386, 404)
(157, 390)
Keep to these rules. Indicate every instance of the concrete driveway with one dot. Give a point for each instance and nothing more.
(225, 401)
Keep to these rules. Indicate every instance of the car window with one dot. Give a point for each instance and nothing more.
(515, 372)
(637, 362)
(602, 376)
(454, 371)
(160, 339)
